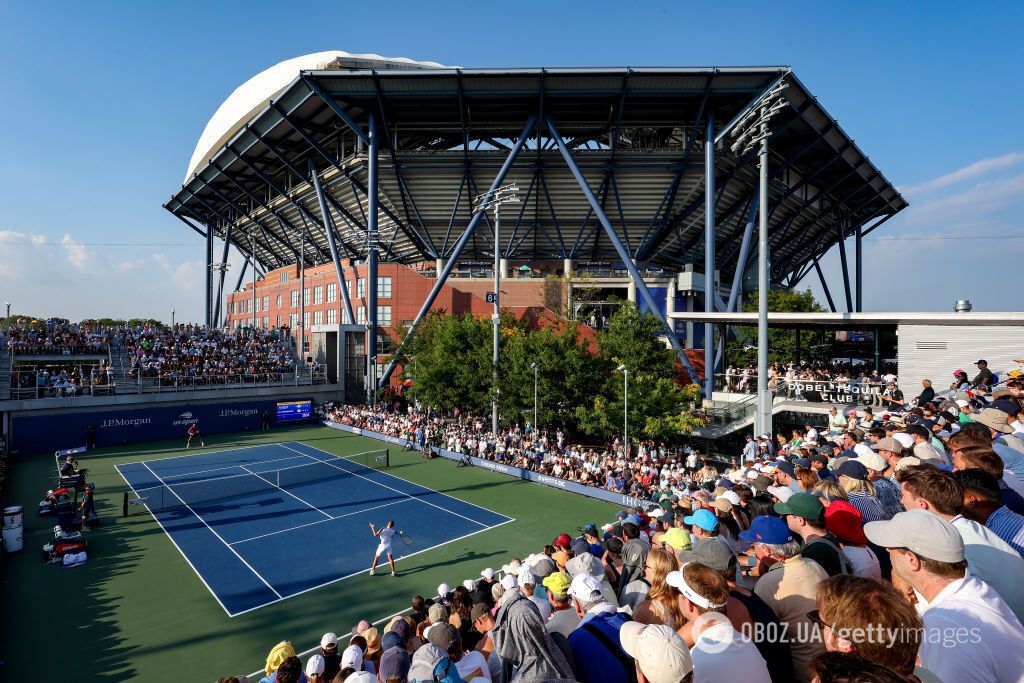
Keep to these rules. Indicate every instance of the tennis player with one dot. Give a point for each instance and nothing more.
(385, 535)
(193, 430)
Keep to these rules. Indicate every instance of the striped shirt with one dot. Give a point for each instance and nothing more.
(869, 507)
(1009, 526)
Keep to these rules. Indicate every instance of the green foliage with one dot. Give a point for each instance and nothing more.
(781, 343)
(450, 366)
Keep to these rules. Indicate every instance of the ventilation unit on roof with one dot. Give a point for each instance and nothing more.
(931, 346)
(962, 306)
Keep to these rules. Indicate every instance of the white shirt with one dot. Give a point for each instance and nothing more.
(386, 534)
(722, 653)
(543, 606)
(993, 650)
(994, 561)
(473, 667)
(563, 621)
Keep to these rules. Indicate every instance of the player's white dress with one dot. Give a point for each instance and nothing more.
(384, 548)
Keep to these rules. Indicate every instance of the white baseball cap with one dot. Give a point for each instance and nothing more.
(526, 577)
(329, 640)
(487, 573)
(469, 585)
(584, 586)
(508, 582)
(658, 650)
(352, 657)
(443, 590)
(732, 497)
(905, 439)
(781, 492)
(315, 666)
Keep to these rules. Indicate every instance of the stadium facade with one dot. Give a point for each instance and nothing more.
(324, 166)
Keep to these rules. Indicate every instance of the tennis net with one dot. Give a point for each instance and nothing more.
(218, 489)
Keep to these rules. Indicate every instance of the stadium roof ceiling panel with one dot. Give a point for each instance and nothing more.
(637, 134)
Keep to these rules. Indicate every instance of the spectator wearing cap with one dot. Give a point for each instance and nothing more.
(634, 555)
(486, 581)
(988, 557)
(845, 523)
(850, 608)
(984, 376)
(836, 422)
(562, 554)
(984, 458)
(923, 447)
(886, 490)
(785, 475)
(471, 665)
(982, 504)
(1009, 448)
(595, 646)
(892, 397)
(563, 617)
(329, 651)
(659, 654)
(720, 652)
(521, 640)
(805, 517)
(705, 527)
(747, 612)
(750, 449)
(676, 540)
(593, 539)
(315, 669)
(928, 553)
(660, 605)
(394, 663)
(853, 477)
(528, 584)
(483, 624)
(788, 585)
(430, 663)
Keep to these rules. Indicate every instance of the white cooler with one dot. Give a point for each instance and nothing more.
(14, 538)
(14, 516)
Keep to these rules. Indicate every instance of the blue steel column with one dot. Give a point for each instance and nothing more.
(371, 264)
(442, 277)
(858, 266)
(329, 229)
(209, 275)
(710, 292)
(641, 286)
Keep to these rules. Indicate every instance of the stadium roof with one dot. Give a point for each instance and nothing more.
(637, 134)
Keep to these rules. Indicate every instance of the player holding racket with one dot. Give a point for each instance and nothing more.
(385, 535)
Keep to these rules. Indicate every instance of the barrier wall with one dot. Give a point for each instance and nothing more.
(122, 425)
(619, 499)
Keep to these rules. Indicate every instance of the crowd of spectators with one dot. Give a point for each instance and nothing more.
(57, 338)
(883, 547)
(783, 378)
(196, 354)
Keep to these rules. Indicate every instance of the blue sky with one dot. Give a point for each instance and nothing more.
(104, 102)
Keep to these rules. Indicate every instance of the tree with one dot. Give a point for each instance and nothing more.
(451, 362)
(781, 343)
(656, 404)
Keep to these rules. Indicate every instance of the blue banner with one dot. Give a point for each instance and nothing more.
(620, 499)
(123, 425)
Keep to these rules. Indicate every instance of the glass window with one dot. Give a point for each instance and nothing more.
(266, 322)
(318, 294)
(332, 292)
(257, 305)
(384, 287)
(279, 301)
(266, 303)
(284, 278)
(295, 298)
(293, 321)
(332, 316)
(318, 317)
(305, 296)
(360, 288)
(384, 344)
(361, 316)
(278, 323)
(383, 316)
(305, 320)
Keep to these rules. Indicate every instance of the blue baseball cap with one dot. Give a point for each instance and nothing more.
(767, 529)
(621, 515)
(703, 518)
(634, 519)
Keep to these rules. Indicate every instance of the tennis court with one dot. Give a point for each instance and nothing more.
(264, 523)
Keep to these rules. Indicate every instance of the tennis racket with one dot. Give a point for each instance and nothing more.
(406, 538)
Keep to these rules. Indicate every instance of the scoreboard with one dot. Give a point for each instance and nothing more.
(294, 410)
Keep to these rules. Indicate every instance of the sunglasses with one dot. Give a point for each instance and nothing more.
(815, 616)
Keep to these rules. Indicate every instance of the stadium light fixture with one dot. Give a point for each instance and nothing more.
(754, 129)
(506, 194)
(8, 305)
(534, 366)
(625, 408)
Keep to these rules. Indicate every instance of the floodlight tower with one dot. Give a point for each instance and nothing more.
(506, 194)
(751, 130)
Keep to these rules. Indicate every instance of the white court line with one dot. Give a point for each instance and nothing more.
(325, 514)
(322, 521)
(364, 571)
(198, 452)
(212, 531)
(227, 467)
(427, 502)
(480, 507)
(175, 543)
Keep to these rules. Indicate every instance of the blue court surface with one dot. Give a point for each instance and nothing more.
(236, 515)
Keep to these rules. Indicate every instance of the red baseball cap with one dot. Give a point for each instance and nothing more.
(562, 541)
(845, 522)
